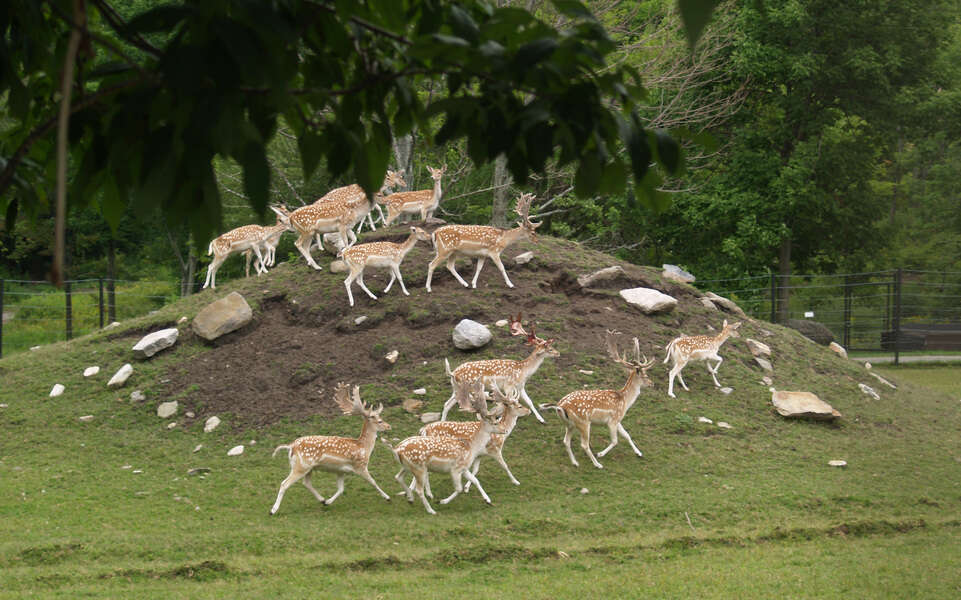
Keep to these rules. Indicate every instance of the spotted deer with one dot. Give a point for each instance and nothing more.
(268, 244)
(423, 202)
(379, 254)
(580, 409)
(697, 347)
(442, 454)
(481, 241)
(354, 196)
(503, 372)
(339, 455)
(241, 239)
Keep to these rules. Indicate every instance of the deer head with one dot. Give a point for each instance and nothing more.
(523, 209)
(436, 174)
(393, 179)
(731, 329)
(420, 234)
(348, 400)
(637, 364)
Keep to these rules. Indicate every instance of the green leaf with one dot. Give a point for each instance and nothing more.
(373, 157)
(588, 176)
(256, 176)
(451, 40)
(534, 52)
(159, 19)
(696, 14)
(637, 148)
(11, 215)
(613, 178)
(573, 9)
(112, 205)
(311, 148)
(668, 151)
(462, 23)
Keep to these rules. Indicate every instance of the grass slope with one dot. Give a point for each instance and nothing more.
(747, 512)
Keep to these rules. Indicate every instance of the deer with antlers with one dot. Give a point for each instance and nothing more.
(482, 242)
(241, 239)
(580, 409)
(423, 202)
(443, 454)
(339, 455)
(697, 347)
(379, 254)
(504, 372)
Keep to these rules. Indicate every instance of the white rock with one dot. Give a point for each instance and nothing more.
(120, 377)
(86, 418)
(236, 450)
(766, 365)
(153, 343)
(468, 335)
(839, 349)
(137, 471)
(392, 356)
(676, 273)
(112, 325)
(706, 303)
(767, 380)
(360, 319)
(725, 304)
(230, 313)
(4, 405)
(182, 320)
(723, 425)
(190, 414)
(211, 424)
(602, 275)
(171, 425)
(127, 467)
(338, 266)
(430, 417)
(421, 391)
(705, 420)
(91, 371)
(167, 409)
(884, 381)
(650, 301)
(802, 404)
(57, 390)
(197, 448)
(867, 366)
(869, 391)
(584, 491)
(32, 348)
(838, 463)
(758, 348)
(586, 372)
(726, 390)
(137, 396)
(501, 323)
(523, 259)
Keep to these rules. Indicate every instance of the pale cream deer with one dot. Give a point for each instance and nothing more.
(379, 254)
(339, 455)
(422, 202)
(482, 242)
(503, 372)
(419, 454)
(580, 409)
(238, 240)
(697, 347)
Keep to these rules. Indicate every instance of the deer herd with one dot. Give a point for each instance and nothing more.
(453, 447)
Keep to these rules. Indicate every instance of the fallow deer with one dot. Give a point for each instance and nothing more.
(504, 372)
(379, 254)
(268, 244)
(581, 408)
(481, 241)
(423, 202)
(697, 347)
(241, 239)
(336, 454)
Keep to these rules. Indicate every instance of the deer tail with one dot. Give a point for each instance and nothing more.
(277, 449)
(670, 349)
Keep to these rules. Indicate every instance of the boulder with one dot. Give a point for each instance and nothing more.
(211, 424)
(706, 303)
(648, 300)
(839, 349)
(802, 405)
(223, 316)
(758, 348)
(599, 276)
(814, 331)
(869, 391)
(523, 259)
(339, 266)
(236, 450)
(120, 377)
(57, 390)
(91, 371)
(676, 273)
(391, 356)
(153, 343)
(726, 304)
(412, 405)
(468, 335)
(167, 409)
(764, 364)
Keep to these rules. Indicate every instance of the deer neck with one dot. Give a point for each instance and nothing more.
(631, 389)
(438, 193)
(479, 441)
(409, 243)
(720, 338)
(509, 236)
(368, 436)
(529, 365)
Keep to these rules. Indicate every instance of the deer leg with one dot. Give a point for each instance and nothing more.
(499, 457)
(627, 436)
(430, 268)
(347, 283)
(360, 280)
(408, 489)
(476, 482)
(248, 255)
(260, 260)
(447, 406)
(450, 267)
(567, 444)
(295, 475)
(473, 469)
(366, 476)
(420, 477)
(400, 278)
(303, 245)
(480, 265)
(320, 241)
(713, 371)
(530, 404)
(390, 283)
(675, 370)
(613, 429)
(455, 475)
(681, 377)
(309, 486)
(340, 490)
(585, 431)
(496, 259)
(380, 212)
(213, 268)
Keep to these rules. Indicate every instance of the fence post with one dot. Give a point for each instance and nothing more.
(100, 301)
(773, 297)
(66, 290)
(897, 316)
(111, 301)
(1, 318)
(847, 311)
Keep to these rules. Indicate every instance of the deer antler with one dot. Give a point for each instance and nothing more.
(470, 396)
(348, 400)
(523, 210)
(621, 359)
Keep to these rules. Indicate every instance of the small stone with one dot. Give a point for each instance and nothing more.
(726, 390)
(86, 418)
(676, 273)
(523, 259)
(767, 380)
(137, 396)
(766, 365)
(501, 323)
(32, 348)
(137, 471)
(198, 471)
(4, 405)
(584, 491)
(837, 463)
(155, 342)
(167, 409)
(197, 448)
(758, 348)
(57, 390)
(585, 372)
(120, 377)
(360, 319)
(705, 420)
(190, 414)
(412, 406)
(468, 335)
(211, 424)
(706, 303)
(253, 442)
(869, 391)
(421, 391)
(430, 417)
(171, 425)
(723, 425)
(867, 366)
(884, 381)
(127, 467)
(91, 371)
(112, 325)
(392, 356)
(236, 451)
(602, 275)
(339, 266)
(182, 320)
(839, 349)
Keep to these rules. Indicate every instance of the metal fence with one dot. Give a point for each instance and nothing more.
(897, 310)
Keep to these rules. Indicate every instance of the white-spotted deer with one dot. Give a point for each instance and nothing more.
(241, 239)
(482, 242)
(581, 408)
(268, 244)
(422, 202)
(339, 455)
(697, 347)
(419, 454)
(379, 254)
(503, 372)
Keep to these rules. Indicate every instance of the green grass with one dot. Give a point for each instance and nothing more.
(943, 378)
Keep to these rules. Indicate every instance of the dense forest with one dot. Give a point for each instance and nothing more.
(816, 136)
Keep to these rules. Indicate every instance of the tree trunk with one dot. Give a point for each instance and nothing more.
(187, 282)
(404, 157)
(111, 276)
(502, 181)
(784, 271)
